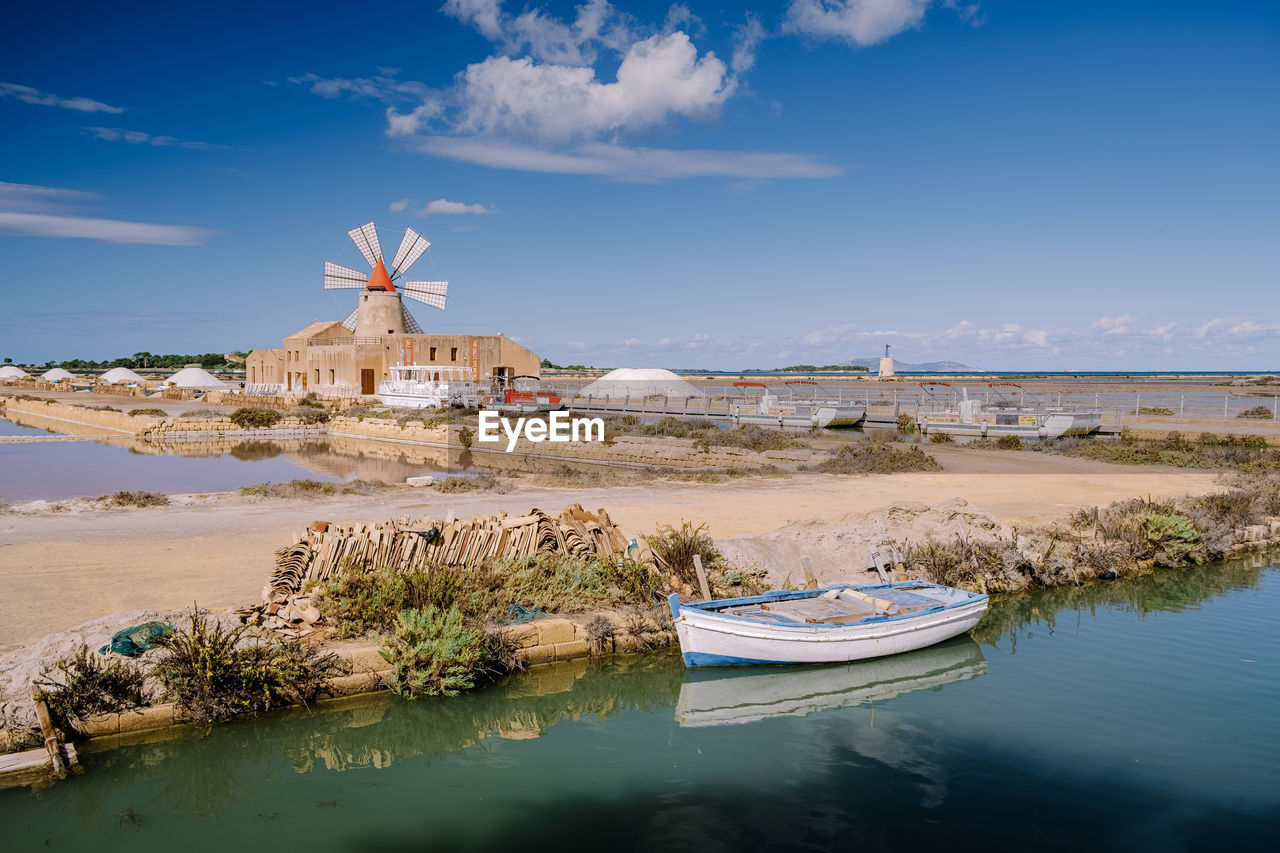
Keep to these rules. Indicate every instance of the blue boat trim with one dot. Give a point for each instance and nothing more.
(704, 659)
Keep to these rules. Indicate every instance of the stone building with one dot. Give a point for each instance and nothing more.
(328, 357)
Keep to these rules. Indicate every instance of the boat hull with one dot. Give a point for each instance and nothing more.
(808, 418)
(708, 638)
(411, 401)
(1053, 426)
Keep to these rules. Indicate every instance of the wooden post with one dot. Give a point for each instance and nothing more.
(702, 578)
(50, 739)
(810, 580)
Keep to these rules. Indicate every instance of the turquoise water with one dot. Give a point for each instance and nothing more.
(1140, 715)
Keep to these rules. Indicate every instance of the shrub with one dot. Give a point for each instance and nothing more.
(1155, 410)
(202, 414)
(906, 424)
(675, 548)
(311, 400)
(139, 499)
(941, 438)
(875, 457)
(213, 675)
(156, 413)
(90, 684)
(249, 418)
(432, 653)
(483, 481)
(1257, 413)
(309, 415)
(1009, 442)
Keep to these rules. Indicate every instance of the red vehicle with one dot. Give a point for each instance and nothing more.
(523, 395)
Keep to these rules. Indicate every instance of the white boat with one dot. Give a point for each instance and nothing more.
(427, 386)
(724, 696)
(794, 413)
(1006, 416)
(840, 623)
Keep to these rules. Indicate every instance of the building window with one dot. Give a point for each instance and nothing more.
(433, 354)
(453, 353)
(331, 376)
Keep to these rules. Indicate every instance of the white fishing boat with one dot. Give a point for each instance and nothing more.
(427, 386)
(807, 411)
(721, 696)
(1003, 416)
(840, 623)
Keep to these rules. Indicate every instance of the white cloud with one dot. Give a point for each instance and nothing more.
(407, 124)
(397, 206)
(106, 230)
(444, 206)
(659, 78)
(746, 41)
(137, 137)
(382, 87)
(829, 335)
(859, 22)
(637, 164)
(598, 24)
(1114, 325)
(29, 95)
(35, 211)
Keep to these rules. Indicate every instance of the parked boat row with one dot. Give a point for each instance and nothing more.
(432, 386)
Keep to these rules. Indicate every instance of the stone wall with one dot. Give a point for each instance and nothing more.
(117, 421)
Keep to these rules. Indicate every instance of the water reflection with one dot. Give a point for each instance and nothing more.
(1011, 616)
(725, 696)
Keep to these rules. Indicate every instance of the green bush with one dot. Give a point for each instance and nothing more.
(941, 438)
(906, 424)
(210, 673)
(433, 653)
(1009, 442)
(89, 684)
(248, 418)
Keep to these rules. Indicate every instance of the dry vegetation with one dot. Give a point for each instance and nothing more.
(875, 454)
(312, 488)
(705, 433)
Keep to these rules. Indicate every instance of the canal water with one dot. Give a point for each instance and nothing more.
(1138, 715)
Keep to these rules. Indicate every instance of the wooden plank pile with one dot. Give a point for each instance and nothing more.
(325, 550)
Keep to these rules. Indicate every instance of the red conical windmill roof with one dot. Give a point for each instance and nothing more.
(379, 280)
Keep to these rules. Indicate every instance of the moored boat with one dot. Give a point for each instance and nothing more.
(795, 412)
(839, 623)
(1005, 416)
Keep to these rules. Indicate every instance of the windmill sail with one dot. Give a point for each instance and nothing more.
(411, 248)
(432, 293)
(337, 277)
(350, 322)
(366, 239)
(410, 325)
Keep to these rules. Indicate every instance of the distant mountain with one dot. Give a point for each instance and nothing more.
(873, 364)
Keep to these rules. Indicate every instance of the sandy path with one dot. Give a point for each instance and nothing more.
(60, 569)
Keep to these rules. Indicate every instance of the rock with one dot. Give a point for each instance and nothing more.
(310, 615)
(425, 480)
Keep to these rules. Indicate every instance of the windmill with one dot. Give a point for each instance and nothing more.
(382, 282)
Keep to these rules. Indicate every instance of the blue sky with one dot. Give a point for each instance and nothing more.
(1007, 183)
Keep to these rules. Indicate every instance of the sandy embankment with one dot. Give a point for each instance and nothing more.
(60, 569)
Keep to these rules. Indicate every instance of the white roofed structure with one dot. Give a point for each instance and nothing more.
(640, 382)
(8, 373)
(56, 375)
(193, 377)
(120, 376)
